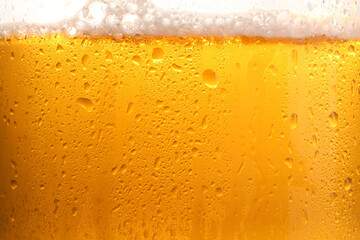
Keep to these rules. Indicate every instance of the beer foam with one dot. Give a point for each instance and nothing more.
(266, 18)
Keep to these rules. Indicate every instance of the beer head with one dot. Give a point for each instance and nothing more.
(293, 18)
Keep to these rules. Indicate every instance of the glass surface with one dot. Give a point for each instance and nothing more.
(228, 120)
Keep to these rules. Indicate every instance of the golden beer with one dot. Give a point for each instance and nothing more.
(179, 138)
(179, 120)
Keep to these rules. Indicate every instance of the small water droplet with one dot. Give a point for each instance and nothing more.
(195, 152)
(210, 78)
(86, 103)
(204, 122)
(157, 163)
(293, 121)
(86, 87)
(347, 183)
(333, 119)
(190, 131)
(130, 108)
(289, 162)
(13, 184)
(58, 66)
(109, 56)
(136, 60)
(219, 191)
(85, 60)
(351, 50)
(12, 56)
(59, 48)
(114, 170)
(333, 197)
(273, 69)
(158, 54)
(123, 168)
(74, 211)
(42, 186)
(176, 68)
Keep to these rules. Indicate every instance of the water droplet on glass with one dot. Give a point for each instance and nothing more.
(136, 60)
(58, 66)
(85, 60)
(59, 48)
(333, 119)
(130, 108)
(219, 191)
(293, 121)
(347, 183)
(176, 68)
(289, 162)
(157, 54)
(204, 122)
(210, 78)
(74, 211)
(86, 103)
(13, 184)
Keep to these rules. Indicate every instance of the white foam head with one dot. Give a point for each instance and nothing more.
(267, 18)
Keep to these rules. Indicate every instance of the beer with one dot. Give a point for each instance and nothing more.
(171, 137)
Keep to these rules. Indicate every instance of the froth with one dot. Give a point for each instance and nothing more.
(267, 18)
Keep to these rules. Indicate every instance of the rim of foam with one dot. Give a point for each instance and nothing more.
(265, 18)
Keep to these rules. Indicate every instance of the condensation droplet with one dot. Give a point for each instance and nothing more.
(351, 50)
(130, 108)
(333, 119)
(190, 131)
(176, 68)
(86, 87)
(13, 184)
(293, 121)
(74, 211)
(109, 56)
(114, 170)
(333, 197)
(136, 60)
(157, 54)
(123, 168)
(195, 152)
(157, 163)
(210, 78)
(289, 162)
(204, 122)
(347, 183)
(219, 191)
(85, 60)
(86, 103)
(59, 48)
(273, 69)
(58, 66)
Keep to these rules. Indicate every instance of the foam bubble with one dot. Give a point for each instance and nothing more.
(267, 18)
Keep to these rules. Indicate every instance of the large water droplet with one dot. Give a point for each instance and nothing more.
(158, 54)
(210, 78)
(293, 121)
(289, 162)
(333, 119)
(86, 103)
(347, 183)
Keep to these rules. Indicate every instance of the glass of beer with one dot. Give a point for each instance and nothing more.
(189, 120)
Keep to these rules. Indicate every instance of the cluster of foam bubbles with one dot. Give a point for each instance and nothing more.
(267, 18)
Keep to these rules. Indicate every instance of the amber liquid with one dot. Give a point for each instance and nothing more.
(172, 138)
